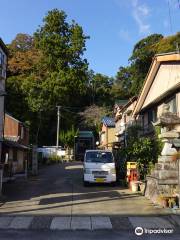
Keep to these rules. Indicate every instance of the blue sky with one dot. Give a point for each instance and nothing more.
(114, 26)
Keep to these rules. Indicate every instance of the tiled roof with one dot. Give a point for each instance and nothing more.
(121, 102)
(108, 121)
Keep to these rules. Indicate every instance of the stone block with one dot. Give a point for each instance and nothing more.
(21, 222)
(170, 166)
(81, 223)
(61, 223)
(164, 159)
(158, 166)
(170, 134)
(168, 174)
(168, 181)
(101, 223)
(156, 173)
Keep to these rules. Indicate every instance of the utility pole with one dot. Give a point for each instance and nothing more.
(177, 48)
(58, 123)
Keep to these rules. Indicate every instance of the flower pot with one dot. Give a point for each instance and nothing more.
(134, 186)
(165, 202)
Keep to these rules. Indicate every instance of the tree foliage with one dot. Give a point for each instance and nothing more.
(23, 55)
(92, 116)
(99, 89)
(47, 69)
(143, 150)
(122, 84)
(129, 80)
(67, 137)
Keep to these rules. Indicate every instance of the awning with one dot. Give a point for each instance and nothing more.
(14, 145)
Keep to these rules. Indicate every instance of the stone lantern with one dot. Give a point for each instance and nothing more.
(164, 179)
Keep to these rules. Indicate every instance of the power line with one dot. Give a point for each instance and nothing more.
(170, 19)
(178, 3)
(66, 110)
(74, 107)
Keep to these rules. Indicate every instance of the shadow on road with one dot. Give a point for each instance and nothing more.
(58, 189)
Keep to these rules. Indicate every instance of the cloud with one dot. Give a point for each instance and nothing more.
(140, 12)
(125, 35)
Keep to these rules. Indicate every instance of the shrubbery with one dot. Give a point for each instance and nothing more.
(143, 150)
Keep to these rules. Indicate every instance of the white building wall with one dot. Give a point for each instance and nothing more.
(168, 76)
(178, 103)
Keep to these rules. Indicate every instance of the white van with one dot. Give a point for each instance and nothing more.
(99, 167)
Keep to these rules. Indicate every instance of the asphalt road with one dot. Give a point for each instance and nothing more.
(59, 190)
(56, 205)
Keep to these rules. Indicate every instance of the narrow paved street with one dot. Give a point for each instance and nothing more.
(57, 200)
(59, 190)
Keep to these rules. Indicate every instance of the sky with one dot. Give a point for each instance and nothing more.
(114, 26)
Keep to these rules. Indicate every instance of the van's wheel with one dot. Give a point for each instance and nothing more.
(85, 183)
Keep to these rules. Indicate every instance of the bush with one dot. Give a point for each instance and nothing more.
(54, 159)
(143, 150)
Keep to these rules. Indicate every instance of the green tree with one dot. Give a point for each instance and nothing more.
(67, 137)
(121, 89)
(141, 59)
(50, 70)
(22, 55)
(129, 80)
(168, 44)
(65, 76)
(99, 86)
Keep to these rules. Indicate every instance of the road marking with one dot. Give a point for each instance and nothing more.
(5, 221)
(101, 223)
(21, 222)
(81, 223)
(150, 222)
(60, 223)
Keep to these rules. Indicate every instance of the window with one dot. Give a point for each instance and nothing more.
(172, 104)
(152, 115)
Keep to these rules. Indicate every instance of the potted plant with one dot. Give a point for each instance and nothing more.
(172, 202)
